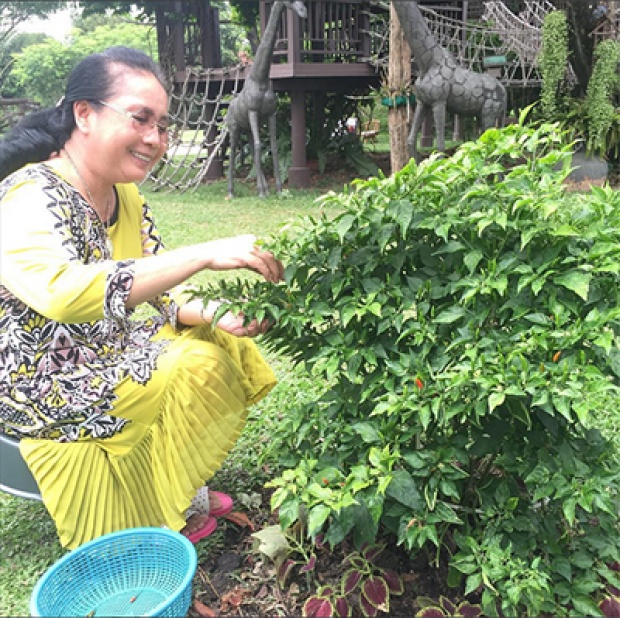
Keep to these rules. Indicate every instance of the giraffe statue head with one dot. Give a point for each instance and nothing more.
(298, 6)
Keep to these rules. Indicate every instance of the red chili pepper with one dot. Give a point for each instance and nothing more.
(419, 383)
(325, 481)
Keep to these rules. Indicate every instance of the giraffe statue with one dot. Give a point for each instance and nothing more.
(257, 101)
(442, 85)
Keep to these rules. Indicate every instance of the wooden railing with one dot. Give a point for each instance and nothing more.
(333, 31)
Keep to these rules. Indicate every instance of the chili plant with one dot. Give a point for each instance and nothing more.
(464, 315)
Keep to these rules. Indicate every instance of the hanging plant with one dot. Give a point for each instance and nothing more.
(398, 101)
(552, 61)
(599, 108)
(393, 98)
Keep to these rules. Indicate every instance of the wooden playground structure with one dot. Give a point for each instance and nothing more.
(340, 47)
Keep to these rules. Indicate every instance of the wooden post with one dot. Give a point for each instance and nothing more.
(299, 172)
(399, 75)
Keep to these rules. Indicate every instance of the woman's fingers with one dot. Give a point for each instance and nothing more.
(234, 325)
(266, 264)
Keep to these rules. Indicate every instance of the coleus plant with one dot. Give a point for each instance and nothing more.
(364, 583)
(444, 607)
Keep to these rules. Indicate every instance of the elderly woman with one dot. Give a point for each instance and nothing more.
(121, 421)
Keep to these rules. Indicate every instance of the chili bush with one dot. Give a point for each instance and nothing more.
(464, 316)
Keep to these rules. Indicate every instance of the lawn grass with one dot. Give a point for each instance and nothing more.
(28, 541)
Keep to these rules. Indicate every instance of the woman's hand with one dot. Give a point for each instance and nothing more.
(242, 252)
(233, 324)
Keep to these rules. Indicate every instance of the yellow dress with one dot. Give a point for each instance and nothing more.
(121, 420)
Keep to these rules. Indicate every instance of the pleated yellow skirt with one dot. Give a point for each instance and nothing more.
(183, 423)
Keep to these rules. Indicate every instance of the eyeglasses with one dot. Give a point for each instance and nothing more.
(141, 121)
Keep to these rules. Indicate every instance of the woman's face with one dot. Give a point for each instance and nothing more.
(129, 133)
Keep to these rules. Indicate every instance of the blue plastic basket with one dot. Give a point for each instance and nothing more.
(135, 572)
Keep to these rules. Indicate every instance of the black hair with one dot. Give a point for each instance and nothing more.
(42, 133)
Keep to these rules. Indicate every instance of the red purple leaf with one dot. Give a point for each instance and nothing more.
(310, 566)
(284, 570)
(426, 602)
(376, 591)
(343, 608)
(467, 610)
(610, 607)
(350, 580)
(431, 612)
(369, 610)
(318, 607)
(355, 561)
(394, 581)
(372, 551)
(448, 606)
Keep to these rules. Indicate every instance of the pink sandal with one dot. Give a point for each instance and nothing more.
(206, 530)
(226, 504)
(200, 504)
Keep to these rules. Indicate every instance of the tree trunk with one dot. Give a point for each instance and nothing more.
(399, 76)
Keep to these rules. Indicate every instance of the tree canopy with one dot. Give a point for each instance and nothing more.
(42, 69)
(12, 14)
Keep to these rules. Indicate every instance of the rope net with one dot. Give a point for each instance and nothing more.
(500, 33)
(198, 134)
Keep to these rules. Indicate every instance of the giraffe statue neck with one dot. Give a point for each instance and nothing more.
(262, 59)
(424, 46)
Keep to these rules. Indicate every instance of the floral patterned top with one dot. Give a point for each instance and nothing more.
(66, 336)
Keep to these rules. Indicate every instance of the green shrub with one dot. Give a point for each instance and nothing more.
(464, 314)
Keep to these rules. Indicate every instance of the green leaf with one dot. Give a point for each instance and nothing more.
(472, 583)
(578, 282)
(288, 512)
(343, 225)
(450, 315)
(403, 217)
(472, 259)
(317, 516)
(403, 489)
(368, 432)
(496, 400)
(585, 606)
(562, 566)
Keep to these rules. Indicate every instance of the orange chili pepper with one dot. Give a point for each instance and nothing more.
(556, 356)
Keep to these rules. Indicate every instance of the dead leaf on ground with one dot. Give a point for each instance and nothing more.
(234, 598)
(203, 610)
(241, 519)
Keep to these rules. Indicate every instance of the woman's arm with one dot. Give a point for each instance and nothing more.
(155, 274)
